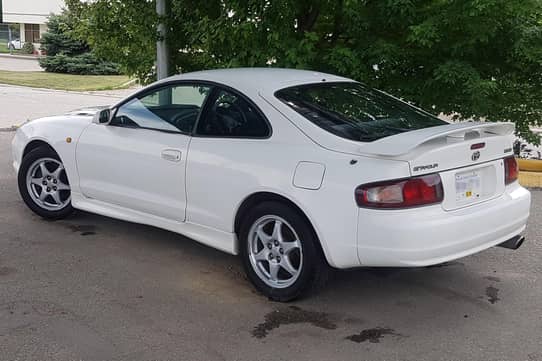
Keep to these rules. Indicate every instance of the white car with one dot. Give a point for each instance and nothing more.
(15, 44)
(294, 171)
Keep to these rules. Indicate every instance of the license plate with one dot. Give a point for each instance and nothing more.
(468, 186)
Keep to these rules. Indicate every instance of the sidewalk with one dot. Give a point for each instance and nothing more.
(19, 63)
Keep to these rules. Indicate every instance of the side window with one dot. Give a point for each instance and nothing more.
(173, 108)
(230, 115)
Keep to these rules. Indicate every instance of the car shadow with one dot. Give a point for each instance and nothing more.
(406, 288)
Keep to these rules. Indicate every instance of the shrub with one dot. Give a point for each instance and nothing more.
(68, 54)
(59, 38)
(28, 48)
(84, 64)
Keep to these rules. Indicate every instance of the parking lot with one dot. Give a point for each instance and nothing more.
(94, 288)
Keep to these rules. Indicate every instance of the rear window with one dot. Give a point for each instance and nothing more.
(354, 111)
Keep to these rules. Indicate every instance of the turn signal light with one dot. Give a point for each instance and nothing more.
(511, 170)
(401, 193)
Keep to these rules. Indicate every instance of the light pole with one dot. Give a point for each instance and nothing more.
(162, 58)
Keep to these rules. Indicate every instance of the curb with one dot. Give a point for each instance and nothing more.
(530, 179)
(16, 56)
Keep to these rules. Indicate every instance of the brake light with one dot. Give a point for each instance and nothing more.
(511, 170)
(401, 193)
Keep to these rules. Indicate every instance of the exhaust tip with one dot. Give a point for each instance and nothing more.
(513, 243)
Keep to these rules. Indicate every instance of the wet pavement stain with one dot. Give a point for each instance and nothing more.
(492, 294)
(292, 315)
(493, 278)
(6, 271)
(373, 335)
(83, 229)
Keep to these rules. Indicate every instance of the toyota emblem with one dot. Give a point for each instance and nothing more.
(475, 156)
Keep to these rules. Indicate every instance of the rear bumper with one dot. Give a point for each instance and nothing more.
(429, 235)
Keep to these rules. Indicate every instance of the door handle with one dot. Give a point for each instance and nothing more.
(173, 155)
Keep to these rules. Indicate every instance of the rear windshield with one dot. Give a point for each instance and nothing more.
(354, 111)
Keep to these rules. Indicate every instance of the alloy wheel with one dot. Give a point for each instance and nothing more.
(48, 184)
(275, 251)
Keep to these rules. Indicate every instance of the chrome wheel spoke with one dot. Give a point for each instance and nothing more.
(57, 171)
(277, 231)
(274, 271)
(42, 195)
(44, 170)
(56, 197)
(62, 186)
(287, 247)
(262, 235)
(262, 255)
(37, 182)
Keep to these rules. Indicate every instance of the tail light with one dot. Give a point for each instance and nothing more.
(401, 193)
(511, 170)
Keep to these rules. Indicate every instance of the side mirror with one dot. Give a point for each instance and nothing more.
(102, 117)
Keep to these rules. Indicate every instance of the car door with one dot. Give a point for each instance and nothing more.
(138, 159)
(229, 147)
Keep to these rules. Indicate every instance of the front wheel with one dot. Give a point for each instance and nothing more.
(280, 252)
(44, 185)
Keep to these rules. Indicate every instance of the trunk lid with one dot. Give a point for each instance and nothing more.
(468, 157)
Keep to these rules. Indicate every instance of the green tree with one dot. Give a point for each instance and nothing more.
(59, 38)
(121, 31)
(68, 53)
(467, 58)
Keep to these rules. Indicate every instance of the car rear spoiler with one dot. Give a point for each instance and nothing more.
(403, 143)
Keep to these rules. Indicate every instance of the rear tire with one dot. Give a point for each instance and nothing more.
(43, 184)
(280, 252)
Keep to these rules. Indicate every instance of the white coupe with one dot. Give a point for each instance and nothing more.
(295, 171)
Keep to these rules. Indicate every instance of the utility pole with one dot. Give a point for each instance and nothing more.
(9, 40)
(162, 53)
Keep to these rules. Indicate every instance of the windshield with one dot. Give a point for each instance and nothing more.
(353, 111)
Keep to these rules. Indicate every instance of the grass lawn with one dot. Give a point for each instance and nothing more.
(41, 79)
(4, 49)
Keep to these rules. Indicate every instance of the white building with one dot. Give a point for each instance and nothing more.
(31, 15)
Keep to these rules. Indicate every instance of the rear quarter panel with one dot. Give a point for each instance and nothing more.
(222, 173)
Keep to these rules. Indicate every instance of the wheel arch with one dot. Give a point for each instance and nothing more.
(37, 143)
(265, 196)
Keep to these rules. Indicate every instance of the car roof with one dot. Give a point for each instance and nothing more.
(257, 79)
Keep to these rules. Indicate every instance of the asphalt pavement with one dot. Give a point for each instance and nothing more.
(19, 104)
(95, 288)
